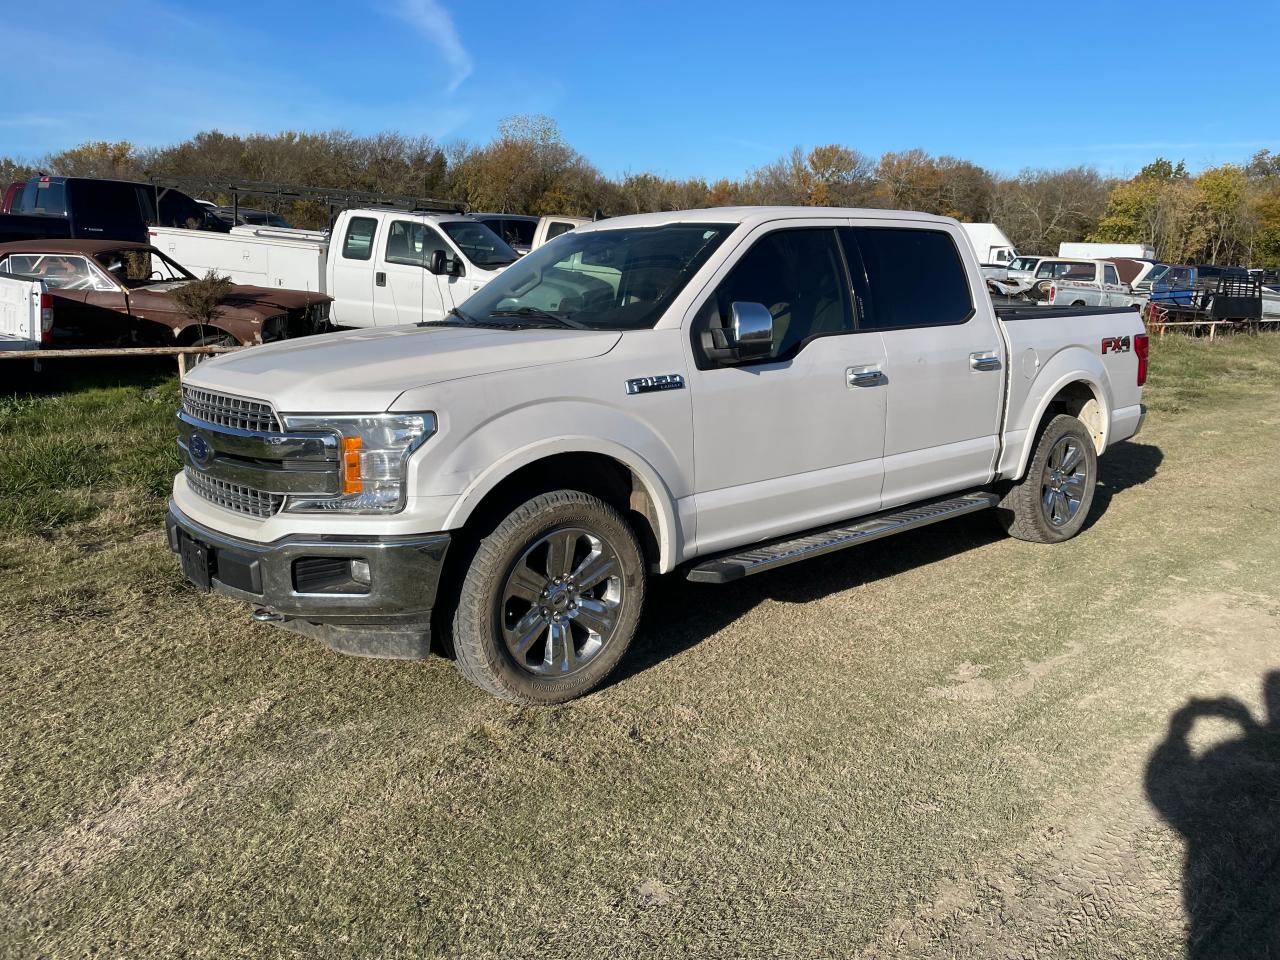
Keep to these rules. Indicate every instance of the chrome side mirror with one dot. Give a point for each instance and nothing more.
(750, 330)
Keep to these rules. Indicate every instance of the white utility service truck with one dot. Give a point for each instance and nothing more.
(715, 392)
(381, 266)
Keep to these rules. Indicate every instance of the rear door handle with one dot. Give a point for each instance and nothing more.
(379, 279)
(864, 376)
(984, 361)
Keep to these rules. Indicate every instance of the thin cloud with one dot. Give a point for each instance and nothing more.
(430, 19)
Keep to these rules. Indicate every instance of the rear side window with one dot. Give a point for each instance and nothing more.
(556, 228)
(911, 278)
(358, 243)
(799, 276)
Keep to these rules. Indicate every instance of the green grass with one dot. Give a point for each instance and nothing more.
(933, 748)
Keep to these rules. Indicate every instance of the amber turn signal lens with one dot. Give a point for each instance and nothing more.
(351, 480)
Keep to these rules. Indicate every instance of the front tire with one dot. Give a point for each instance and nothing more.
(551, 601)
(1050, 504)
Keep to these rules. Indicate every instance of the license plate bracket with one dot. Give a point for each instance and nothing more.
(195, 557)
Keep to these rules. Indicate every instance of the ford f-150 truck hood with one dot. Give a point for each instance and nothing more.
(363, 371)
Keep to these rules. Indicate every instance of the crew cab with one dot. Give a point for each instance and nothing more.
(381, 266)
(101, 293)
(710, 393)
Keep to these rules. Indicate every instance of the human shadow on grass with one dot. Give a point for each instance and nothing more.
(1226, 804)
(679, 614)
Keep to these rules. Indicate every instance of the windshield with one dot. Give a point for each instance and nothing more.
(603, 280)
(1158, 271)
(482, 246)
(136, 268)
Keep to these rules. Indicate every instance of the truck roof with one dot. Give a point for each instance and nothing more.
(87, 247)
(754, 215)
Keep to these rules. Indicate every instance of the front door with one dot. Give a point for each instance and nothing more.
(792, 440)
(353, 268)
(405, 291)
(944, 358)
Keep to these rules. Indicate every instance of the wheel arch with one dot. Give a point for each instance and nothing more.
(1077, 392)
(591, 464)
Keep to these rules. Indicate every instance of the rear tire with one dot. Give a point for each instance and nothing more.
(1050, 504)
(551, 600)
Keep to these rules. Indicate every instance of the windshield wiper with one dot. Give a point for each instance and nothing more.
(537, 313)
(462, 320)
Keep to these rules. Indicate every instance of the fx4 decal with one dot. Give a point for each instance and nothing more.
(1115, 345)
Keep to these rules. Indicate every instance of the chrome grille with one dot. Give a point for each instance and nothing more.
(228, 411)
(233, 496)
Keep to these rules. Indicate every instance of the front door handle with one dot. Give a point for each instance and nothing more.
(984, 361)
(379, 279)
(864, 376)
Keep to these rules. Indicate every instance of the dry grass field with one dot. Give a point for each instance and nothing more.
(948, 744)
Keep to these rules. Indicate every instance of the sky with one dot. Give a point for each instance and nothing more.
(709, 89)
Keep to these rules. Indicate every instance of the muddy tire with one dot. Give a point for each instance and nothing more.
(551, 600)
(1050, 504)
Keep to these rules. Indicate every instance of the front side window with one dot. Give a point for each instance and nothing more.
(358, 243)
(894, 265)
(1109, 275)
(799, 276)
(482, 246)
(620, 279)
(412, 243)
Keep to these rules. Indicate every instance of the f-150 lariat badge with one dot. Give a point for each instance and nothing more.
(665, 381)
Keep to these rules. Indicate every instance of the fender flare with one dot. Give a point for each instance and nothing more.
(669, 533)
(1091, 378)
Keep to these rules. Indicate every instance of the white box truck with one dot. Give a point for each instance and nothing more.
(1102, 251)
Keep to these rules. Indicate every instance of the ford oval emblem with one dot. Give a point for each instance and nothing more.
(200, 450)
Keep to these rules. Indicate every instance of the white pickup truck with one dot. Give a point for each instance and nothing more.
(26, 313)
(716, 392)
(381, 266)
(1092, 283)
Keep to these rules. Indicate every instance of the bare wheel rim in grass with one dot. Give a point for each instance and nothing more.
(560, 602)
(1064, 482)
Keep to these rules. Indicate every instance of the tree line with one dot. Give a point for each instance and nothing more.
(1225, 214)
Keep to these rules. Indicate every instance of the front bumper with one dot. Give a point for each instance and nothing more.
(389, 616)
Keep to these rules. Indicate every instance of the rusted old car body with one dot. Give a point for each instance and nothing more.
(115, 293)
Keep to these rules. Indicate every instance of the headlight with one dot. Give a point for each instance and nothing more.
(374, 453)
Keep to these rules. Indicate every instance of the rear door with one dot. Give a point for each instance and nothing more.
(404, 290)
(351, 258)
(943, 357)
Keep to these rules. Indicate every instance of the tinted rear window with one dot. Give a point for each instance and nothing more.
(43, 197)
(907, 278)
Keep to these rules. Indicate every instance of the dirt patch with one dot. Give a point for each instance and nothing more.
(101, 835)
